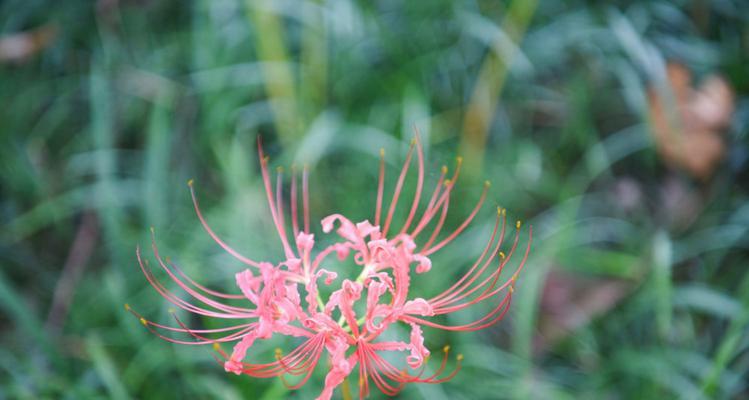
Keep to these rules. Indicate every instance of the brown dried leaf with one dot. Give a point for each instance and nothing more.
(688, 123)
(570, 301)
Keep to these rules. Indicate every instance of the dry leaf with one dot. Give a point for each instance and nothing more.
(680, 205)
(19, 47)
(570, 301)
(688, 123)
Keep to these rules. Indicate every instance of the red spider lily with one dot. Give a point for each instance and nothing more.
(384, 257)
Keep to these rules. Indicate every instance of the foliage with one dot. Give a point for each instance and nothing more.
(637, 286)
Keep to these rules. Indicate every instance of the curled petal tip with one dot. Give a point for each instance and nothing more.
(233, 366)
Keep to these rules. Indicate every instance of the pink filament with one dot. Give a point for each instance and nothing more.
(215, 237)
(397, 191)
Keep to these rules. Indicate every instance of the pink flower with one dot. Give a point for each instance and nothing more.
(385, 258)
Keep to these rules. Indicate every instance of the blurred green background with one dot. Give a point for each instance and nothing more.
(619, 130)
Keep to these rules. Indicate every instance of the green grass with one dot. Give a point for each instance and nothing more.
(108, 122)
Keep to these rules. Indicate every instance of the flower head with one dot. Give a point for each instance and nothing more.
(283, 298)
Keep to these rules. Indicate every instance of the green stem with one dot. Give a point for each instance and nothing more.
(346, 389)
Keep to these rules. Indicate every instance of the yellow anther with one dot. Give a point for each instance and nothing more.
(487, 184)
(216, 346)
(504, 212)
(190, 182)
(172, 311)
(152, 230)
(512, 289)
(413, 141)
(502, 254)
(517, 224)
(459, 160)
(499, 210)
(382, 152)
(446, 348)
(459, 357)
(127, 307)
(279, 169)
(278, 351)
(143, 321)
(448, 182)
(444, 169)
(265, 159)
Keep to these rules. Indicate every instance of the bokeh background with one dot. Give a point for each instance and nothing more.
(619, 130)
